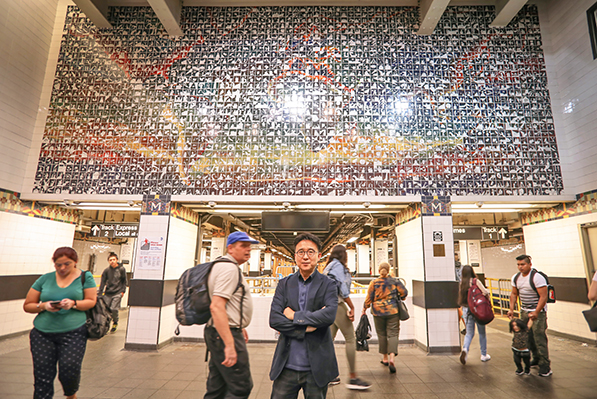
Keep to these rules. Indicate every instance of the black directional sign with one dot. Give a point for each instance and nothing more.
(495, 232)
(115, 230)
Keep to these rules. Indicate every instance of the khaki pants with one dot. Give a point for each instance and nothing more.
(344, 324)
(388, 329)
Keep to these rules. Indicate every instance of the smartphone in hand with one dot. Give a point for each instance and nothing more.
(55, 304)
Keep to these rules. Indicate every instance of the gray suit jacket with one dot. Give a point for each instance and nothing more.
(320, 347)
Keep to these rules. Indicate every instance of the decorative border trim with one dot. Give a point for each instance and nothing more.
(181, 212)
(586, 203)
(412, 212)
(11, 202)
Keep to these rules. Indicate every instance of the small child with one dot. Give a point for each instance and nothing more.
(520, 345)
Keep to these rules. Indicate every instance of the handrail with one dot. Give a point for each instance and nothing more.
(499, 292)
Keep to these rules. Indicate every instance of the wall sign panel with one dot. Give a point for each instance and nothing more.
(300, 101)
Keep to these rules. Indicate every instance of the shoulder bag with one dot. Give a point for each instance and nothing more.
(591, 317)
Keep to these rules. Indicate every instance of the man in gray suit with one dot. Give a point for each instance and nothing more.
(303, 309)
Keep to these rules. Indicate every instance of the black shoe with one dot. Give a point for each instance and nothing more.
(545, 373)
(519, 372)
(335, 381)
(527, 371)
(392, 368)
(357, 383)
(463, 332)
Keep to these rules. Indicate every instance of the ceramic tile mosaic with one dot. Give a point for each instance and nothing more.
(300, 101)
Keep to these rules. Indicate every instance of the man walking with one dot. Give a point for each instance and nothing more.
(113, 287)
(533, 301)
(231, 311)
(303, 308)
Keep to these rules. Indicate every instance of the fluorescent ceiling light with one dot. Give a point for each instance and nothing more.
(492, 206)
(338, 206)
(108, 208)
(353, 239)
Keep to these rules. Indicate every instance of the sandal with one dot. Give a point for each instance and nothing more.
(384, 363)
(392, 368)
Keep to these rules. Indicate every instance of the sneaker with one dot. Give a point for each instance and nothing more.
(463, 356)
(357, 383)
(463, 332)
(545, 373)
(527, 371)
(335, 381)
(485, 358)
(519, 372)
(114, 327)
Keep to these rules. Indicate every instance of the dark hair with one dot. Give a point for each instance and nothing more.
(339, 252)
(65, 251)
(112, 254)
(465, 284)
(521, 324)
(308, 237)
(526, 258)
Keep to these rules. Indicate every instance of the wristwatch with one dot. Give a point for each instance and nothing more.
(75, 305)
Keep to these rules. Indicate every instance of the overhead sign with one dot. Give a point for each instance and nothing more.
(493, 233)
(115, 230)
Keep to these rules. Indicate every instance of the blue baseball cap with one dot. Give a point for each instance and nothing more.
(240, 236)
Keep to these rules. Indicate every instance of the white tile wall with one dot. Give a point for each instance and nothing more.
(26, 31)
(438, 268)
(142, 325)
(500, 262)
(556, 246)
(443, 327)
(13, 318)
(152, 227)
(182, 241)
(419, 316)
(27, 243)
(572, 79)
(410, 252)
(556, 250)
(168, 323)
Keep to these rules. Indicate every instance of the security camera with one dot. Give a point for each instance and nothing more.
(479, 204)
(211, 204)
(286, 205)
(367, 204)
(131, 202)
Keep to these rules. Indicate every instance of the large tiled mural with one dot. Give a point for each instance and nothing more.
(300, 101)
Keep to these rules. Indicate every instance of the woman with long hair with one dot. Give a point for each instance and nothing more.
(337, 269)
(384, 308)
(468, 274)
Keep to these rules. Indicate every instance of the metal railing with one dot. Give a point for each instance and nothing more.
(500, 290)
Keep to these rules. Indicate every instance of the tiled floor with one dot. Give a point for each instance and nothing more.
(179, 371)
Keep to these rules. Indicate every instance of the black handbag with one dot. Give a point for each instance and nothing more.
(591, 317)
(402, 310)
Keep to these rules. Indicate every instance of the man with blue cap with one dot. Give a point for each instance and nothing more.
(225, 334)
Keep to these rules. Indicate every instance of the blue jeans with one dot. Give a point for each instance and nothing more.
(470, 331)
(290, 382)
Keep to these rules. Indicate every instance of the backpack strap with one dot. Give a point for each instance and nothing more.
(239, 285)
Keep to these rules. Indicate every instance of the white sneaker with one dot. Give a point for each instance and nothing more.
(485, 358)
(463, 356)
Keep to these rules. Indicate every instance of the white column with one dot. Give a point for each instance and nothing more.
(381, 254)
(254, 261)
(217, 247)
(352, 259)
(203, 257)
(267, 261)
(363, 259)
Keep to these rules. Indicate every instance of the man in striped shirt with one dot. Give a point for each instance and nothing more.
(533, 307)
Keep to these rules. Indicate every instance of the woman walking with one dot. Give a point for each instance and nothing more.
(381, 296)
(59, 336)
(468, 274)
(337, 270)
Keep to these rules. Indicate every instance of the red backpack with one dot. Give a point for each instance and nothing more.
(479, 305)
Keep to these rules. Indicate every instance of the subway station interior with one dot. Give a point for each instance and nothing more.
(429, 134)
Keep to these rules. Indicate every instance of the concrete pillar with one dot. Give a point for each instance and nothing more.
(363, 259)
(352, 259)
(254, 262)
(267, 261)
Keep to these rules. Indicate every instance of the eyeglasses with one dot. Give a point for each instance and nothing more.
(311, 253)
